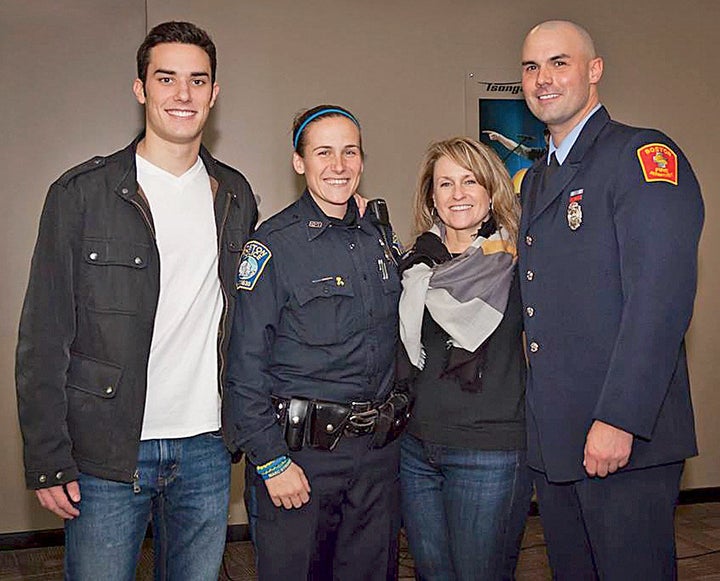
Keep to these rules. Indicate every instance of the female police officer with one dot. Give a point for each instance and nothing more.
(311, 370)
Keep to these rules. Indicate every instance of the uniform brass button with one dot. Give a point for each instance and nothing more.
(59, 475)
(329, 428)
(528, 240)
(534, 347)
(530, 311)
(93, 256)
(42, 479)
(138, 260)
(529, 275)
(109, 389)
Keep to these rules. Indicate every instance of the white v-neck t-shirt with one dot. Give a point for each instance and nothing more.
(182, 390)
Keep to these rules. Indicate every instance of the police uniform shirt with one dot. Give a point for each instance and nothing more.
(316, 317)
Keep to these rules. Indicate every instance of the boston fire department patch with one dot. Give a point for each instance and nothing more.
(659, 163)
(255, 257)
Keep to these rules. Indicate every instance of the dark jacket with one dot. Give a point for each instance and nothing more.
(607, 304)
(317, 318)
(87, 321)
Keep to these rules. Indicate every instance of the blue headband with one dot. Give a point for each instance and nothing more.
(317, 114)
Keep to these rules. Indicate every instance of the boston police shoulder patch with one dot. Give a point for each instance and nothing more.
(255, 257)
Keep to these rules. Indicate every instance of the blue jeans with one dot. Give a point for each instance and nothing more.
(183, 487)
(464, 510)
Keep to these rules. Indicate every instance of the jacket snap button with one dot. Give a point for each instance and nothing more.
(93, 256)
(295, 419)
(59, 475)
(529, 275)
(125, 190)
(530, 311)
(138, 260)
(42, 479)
(534, 347)
(329, 427)
(528, 240)
(109, 389)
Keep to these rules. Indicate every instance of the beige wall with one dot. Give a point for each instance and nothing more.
(399, 65)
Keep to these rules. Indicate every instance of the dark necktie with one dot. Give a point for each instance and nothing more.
(550, 170)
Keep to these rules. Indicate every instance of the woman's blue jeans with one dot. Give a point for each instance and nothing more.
(183, 487)
(464, 510)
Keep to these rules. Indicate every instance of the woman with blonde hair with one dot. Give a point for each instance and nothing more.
(465, 486)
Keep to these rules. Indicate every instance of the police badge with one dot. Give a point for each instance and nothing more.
(574, 210)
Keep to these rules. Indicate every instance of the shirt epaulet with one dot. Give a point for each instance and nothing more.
(280, 222)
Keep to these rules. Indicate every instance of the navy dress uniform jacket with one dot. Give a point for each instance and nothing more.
(316, 317)
(607, 304)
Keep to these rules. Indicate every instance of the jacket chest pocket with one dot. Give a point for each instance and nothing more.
(114, 275)
(323, 312)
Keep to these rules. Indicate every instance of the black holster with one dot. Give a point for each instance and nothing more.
(393, 416)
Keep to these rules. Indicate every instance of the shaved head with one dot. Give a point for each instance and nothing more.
(561, 71)
(586, 41)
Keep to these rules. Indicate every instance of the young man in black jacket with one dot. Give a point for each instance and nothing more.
(124, 331)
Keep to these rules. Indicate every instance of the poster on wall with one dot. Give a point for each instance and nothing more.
(497, 115)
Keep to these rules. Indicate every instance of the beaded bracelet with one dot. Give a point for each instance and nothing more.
(274, 467)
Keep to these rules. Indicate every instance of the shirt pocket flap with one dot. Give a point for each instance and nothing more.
(334, 286)
(93, 376)
(116, 252)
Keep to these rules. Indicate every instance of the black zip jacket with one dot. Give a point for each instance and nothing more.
(88, 317)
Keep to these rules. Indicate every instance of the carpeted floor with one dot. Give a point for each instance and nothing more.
(698, 542)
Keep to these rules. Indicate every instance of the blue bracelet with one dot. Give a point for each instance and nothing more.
(274, 467)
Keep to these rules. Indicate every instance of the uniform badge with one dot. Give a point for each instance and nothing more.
(574, 210)
(255, 257)
(659, 163)
(315, 224)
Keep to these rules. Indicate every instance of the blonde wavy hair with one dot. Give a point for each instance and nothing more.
(488, 170)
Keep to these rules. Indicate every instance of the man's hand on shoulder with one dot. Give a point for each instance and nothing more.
(56, 500)
(607, 449)
(290, 488)
(361, 203)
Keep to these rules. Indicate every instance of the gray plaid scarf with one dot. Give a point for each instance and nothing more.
(465, 295)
